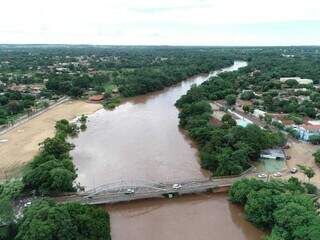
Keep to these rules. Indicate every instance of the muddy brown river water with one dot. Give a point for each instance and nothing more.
(140, 142)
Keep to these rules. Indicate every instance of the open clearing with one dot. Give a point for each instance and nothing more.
(22, 143)
(301, 153)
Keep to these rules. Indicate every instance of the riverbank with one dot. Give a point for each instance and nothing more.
(19, 145)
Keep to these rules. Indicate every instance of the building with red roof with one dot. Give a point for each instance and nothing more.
(216, 121)
(96, 98)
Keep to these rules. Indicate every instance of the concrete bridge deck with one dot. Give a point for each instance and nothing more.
(114, 193)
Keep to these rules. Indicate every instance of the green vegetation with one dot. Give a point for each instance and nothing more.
(45, 219)
(9, 192)
(82, 71)
(231, 99)
(317, 157)
(293, 132)
(13, 103)
(51, 171)
(308, 171)
(226, 149)
(280, 206)
(297, 119)
(112, 102)
(314, 139)
(247, 95)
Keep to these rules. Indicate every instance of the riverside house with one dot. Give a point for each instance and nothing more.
(307, 130)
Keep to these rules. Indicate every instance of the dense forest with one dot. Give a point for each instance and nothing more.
(286, 208)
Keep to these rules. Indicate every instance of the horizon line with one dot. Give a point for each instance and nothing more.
(151, 45)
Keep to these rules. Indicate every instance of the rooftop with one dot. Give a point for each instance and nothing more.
(96, 98)
(298, 79)
(310, 127)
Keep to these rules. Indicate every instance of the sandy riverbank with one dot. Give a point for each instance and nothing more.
(23, 141)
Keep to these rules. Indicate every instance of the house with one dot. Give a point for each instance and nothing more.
(314, 122)
(257, 113)
(17, 88)
(298, 79)
(96, 98)
(276, 153)
(307, 130)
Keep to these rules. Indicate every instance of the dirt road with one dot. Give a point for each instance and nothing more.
(301, 153)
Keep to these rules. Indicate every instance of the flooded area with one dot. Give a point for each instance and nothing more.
(140, 141)
(270, 165)
(201, 217)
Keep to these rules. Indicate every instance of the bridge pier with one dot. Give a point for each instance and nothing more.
(170, 195)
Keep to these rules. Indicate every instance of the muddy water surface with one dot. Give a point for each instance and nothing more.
(201, 217)
(140, 142)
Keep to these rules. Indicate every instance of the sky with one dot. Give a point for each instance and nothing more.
(161, 22)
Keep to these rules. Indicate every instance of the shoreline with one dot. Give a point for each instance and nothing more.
(22, 142)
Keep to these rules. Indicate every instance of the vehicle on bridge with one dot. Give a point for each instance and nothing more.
(129, 191)
(176, 186)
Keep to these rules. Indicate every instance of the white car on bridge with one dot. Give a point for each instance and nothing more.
(176, 186)
(129, 191)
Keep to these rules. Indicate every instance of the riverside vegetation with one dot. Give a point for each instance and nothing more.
(51, 171)
(286, 208)
(128, 71)
(227, 149)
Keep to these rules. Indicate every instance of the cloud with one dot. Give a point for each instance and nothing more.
(174, 22)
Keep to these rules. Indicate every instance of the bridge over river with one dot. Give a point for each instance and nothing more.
(123, 191)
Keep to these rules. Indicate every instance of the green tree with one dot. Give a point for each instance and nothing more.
(247, 95)
(63, 126)
(292, 83)
(259, 208)
(246, 108)
(46, 220)
(308, 171)
(56, 146)
(314, 139)
(51, 176)
(6, 211)
(268, 118)
(317, 156)
(83, 119)
(43, 220)
(231, 99)
(228, 121)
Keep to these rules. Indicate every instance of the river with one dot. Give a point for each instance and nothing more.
(140, 142)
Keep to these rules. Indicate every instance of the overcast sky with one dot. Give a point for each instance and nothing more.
(161, 22)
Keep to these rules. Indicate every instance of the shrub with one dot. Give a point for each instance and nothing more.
(314, 139)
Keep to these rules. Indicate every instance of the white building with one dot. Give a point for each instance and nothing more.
(308, 130)
(298, 79)
(257, 113)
